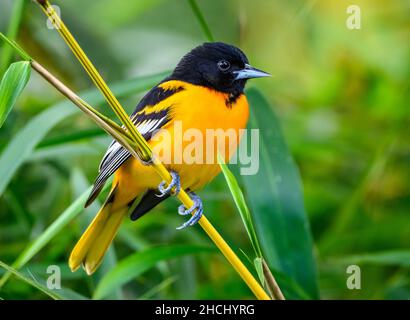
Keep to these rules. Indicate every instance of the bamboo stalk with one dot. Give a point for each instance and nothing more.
(144, 151)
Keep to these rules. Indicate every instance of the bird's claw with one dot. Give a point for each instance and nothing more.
(197, 207)
(175, 183)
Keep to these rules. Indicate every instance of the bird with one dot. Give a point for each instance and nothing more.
(205, 91)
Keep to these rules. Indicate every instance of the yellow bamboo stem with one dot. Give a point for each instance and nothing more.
(145, 153)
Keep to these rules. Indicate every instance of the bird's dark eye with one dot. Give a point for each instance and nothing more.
(224, 65)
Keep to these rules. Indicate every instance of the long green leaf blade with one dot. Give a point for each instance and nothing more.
(80, 184)
(33, 280)
(241, 205)
(12, 32)
(29, 281)
(201, 20)
(384, 258)
(277, 205)
(44, 238)
(11, 86)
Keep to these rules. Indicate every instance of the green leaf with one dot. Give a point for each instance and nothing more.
(400, 258)
(33, 283)
(11, 86)
(12, 31)
(158, 288)
(201, 20)
(289, 287)
(80, 184)
(36, 281)
(22, 145)
(124, 14)
(343, 218)
(74, 136)
(240, 203)
(138, 263)
(259, 269)
(44, 238)
(63, 152)
(276, 201)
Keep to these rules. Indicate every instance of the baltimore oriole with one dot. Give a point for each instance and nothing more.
(205, 91)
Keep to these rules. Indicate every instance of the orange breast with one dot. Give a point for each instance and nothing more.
(201, 119)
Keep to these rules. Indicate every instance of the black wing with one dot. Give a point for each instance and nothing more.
(147, 119)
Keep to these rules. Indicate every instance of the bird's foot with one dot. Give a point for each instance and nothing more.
(197, 207)
(147, 162)
(173, 188)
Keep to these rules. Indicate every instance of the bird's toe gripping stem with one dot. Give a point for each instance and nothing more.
(175, 183)
(197, 207)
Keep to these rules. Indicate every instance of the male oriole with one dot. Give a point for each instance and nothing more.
(205, 91)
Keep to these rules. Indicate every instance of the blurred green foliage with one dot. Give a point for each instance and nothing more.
(342, 100)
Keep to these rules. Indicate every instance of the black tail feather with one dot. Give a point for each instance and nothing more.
(148, 201)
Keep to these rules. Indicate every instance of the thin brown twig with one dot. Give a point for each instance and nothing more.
(271, 283)
(105, 123)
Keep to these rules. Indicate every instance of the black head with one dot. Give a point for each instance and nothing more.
(217, 65)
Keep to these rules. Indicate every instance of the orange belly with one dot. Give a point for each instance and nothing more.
(186, 144)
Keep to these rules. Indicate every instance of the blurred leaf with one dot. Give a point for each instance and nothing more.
(62, 292)
(63, 152)
(23, 144)
(346, 214)
(24, 219)
(33, 283)
(11, 86)
(290, 288)
(30, 278)
(384, 258)
(241, 206)
(44, 238)
(123, 13)
(41, 268)
(185, 272)
(201, 20)
(80, 184)
(13, 28)
(276, 201)
(158, 288)
(72, 137)
(138, 263)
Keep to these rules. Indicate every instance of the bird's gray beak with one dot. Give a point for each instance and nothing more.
(250, 72)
